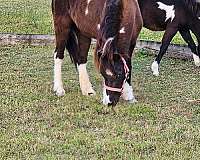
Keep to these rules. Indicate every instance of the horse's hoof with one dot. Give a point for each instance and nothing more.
(60, 92)
(197, 64)
(92, 94)
(89, 92)
(154, 68)
(156, 74)
(132, 101)
(196, 60)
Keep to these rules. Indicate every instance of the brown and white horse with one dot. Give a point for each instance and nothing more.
(172, 16)
(76, 22)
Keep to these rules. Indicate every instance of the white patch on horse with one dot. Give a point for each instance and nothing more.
(196, 60)
(170, 11)
(154, 68)
(85, 85)
(122, 30)
(87, 7)
(128, 93)
(107, 41)
(58, 85)
(108, 72)
(199, 18)
(98, 27)
(106, 98)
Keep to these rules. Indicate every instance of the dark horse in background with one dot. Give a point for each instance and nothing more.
(172, 16)
(76, 22)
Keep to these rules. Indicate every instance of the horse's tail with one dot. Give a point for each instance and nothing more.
(109, 29)
(72, 45)
(193, 6)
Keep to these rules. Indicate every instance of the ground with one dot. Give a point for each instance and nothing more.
(35, 124)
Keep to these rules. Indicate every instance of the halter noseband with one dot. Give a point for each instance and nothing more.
(126, 70)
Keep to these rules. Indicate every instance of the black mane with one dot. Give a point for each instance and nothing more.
(111, 18)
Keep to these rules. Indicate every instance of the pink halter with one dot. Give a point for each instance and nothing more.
(126, 70)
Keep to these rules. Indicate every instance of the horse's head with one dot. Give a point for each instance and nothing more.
(114, 70)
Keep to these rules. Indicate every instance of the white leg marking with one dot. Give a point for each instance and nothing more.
(98, 27)
(154, 68)
(196, 60)
(86, 86)
(87, 7)
(122, 30)
(169, 9)
(58, 85)
(128, 93)
(106, 98)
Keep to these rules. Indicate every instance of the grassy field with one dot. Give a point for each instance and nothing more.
(26, 16)
(35, 124)
(34, 17)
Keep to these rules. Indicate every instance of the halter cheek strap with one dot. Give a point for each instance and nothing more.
(126, 70)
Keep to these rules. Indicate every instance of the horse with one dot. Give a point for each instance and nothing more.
(76, 22)
(119, 28)
(172, 16)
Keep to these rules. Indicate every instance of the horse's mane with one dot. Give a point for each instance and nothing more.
(109, 27)
(193, 6)
(111, 18)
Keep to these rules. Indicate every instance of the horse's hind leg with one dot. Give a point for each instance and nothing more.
(188, 39)
(62, 28)
(197, 58)
(168, 35)
(85, 84)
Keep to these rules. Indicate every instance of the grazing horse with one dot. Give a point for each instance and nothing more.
(76, 22)
(119, 28)
(172, 16)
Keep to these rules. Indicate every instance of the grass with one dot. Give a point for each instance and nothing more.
(34, 17)
(35, 124)
(25, 16)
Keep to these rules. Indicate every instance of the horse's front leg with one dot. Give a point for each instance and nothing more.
(85, 84)
(128, 94)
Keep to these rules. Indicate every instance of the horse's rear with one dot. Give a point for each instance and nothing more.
(172, 16)
(120, 26)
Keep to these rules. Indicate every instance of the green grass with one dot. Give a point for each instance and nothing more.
(34, 17)
(26, 16)
(35, 124)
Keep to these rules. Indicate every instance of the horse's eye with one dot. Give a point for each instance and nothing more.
(119, 75)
